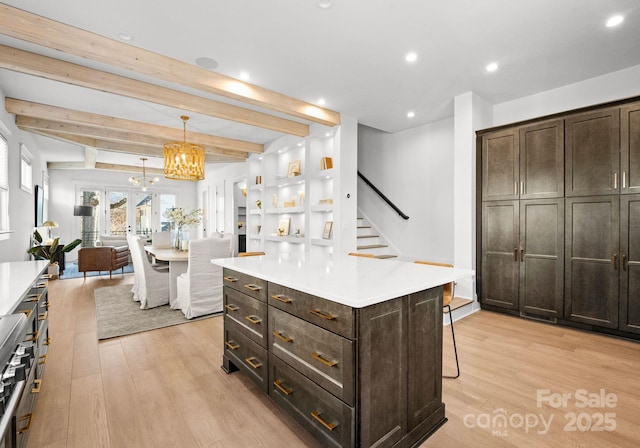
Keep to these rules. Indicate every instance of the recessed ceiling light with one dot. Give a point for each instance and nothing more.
(411, 114)
(324, 4)
(614, 21)
(492, 67)
(207, 63)
(245, 76)
(411, 57)
(321, 102)
(125, 36)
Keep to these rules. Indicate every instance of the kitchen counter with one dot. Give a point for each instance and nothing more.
(16, 279)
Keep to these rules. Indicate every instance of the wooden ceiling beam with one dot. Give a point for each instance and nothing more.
(29, 123)
(61, 114)
(78, 75)
(59, 36)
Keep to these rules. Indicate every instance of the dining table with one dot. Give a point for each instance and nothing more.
(178, 264)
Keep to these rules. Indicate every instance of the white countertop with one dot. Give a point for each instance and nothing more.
(353, 281)
(16, 278)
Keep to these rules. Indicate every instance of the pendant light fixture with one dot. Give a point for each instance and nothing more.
(143, 180)
(184, 160)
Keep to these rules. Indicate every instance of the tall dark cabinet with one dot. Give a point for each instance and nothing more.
(559, 218)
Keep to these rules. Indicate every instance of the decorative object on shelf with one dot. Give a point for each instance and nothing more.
(184, 160)
(299, 234)
(328, 230)
(259, 203)
(51, 252)
(275, 200)
(50, 225)
(326, 163)
(325, 201)
(143, 181)
(294, 168)
(244, 192)
(258, 180)
(301, 196)
(283, 226)
(258, 229)
(179, 219)
(291, 203)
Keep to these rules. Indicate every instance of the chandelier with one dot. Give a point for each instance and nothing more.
(183, 160)
(143, 180)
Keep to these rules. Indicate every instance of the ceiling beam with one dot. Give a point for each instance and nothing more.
(78, 75)
(128, 148)
(29, 124)
(129, 168)
(59, 36)
(61, 114)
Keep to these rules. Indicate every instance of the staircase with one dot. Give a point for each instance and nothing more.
(371, 243)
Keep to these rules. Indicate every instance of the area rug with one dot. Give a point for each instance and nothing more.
(71, 271)
(118, 315)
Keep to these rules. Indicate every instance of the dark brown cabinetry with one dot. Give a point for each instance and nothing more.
(576, 255)
(353, 377)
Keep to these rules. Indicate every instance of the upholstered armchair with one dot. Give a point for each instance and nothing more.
(102, 259)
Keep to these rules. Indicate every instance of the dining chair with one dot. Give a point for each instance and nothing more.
(161, 239)
(447, 298)
(151, 286)
(250, 254)
(358, 254)
(200, 288)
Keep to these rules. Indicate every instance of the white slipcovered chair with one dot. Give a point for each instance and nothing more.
(200, 288)
(161, 239)
(150, 286)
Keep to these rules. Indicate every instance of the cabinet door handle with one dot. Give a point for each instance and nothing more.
(323, 422)
(281, 298)
(233, 345)
(253, 287)
(624, 180)
(43, 316)
(230, 279)
(231, 307)
(26, 312)
(521, 188)
(281, 388)
(624, 262)
(323, 315)
(515, 254)
(38, 385)
(521, 254)
(615, 181)
(253, 362)
(253, 319)
(33, 338)
(279, 334)
(318, 357)
(43, 359)
(615, 262)
(515, 188)
(29, 418)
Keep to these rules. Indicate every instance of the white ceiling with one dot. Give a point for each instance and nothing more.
(351, 54)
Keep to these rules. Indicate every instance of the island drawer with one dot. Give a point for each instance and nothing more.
(246, 355)
(249, 313)
(328, 418)
(324, 313)
(324, 357)
(252, 286)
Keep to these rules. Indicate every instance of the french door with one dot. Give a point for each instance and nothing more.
(136, 211)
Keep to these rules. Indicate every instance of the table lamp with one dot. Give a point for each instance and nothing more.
(50, 225)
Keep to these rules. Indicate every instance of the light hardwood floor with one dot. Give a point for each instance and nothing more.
(165, 388)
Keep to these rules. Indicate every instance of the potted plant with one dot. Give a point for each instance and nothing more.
(51, 251)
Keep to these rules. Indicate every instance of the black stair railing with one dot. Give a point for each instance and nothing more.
(381, 194)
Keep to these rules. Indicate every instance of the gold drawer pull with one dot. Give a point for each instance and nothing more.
(230, 279)
(38, 384)
(231, 307)
(43, 316)
(47, 341)
(278, 384)
(33, 298)
(282, 298)
(233, 345)
(35, 337)
(253, 362)
(321, 314)
(323, 422)
(253, 319)
(28, 417)
(27, 312)
(284, 338)
(43, 358)
(47, 304)
(253, 287)
(318, 357)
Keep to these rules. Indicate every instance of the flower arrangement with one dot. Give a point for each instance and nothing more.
(181, 219)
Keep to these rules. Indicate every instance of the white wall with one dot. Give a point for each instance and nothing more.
(414, 169)
(21, 203)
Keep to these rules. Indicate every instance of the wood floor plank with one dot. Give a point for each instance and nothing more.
(88, 426)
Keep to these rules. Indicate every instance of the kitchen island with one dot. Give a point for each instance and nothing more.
(351, 347)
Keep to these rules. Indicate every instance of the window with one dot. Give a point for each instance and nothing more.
(26, 170)
(167, 201)
(4, 188)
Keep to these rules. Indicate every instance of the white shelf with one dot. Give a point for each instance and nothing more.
(283, 210)
(255, 211)
(325, 174)
(257, 187)
(323, 208)
(254, 236)
(321, 242)
(288, 239)
(287, 181)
